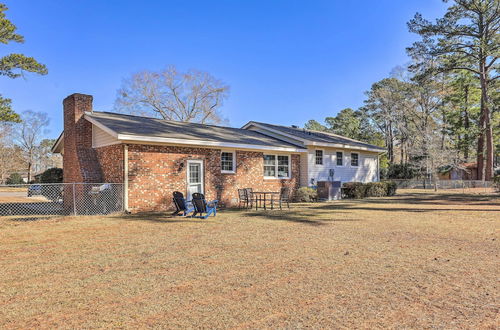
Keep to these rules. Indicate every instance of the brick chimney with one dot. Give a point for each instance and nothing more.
(80, 161)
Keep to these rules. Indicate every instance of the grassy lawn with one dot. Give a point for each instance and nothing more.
(419, 259)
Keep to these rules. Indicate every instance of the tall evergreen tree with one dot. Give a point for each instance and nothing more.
(13, 65)
(465, 38)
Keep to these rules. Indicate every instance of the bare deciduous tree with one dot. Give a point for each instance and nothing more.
(31, 131)
(10, 155)
(194, 96)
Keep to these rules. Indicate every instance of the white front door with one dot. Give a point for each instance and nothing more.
(194, 177)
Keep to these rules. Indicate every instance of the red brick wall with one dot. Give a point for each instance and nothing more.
(155, 172)
(110, 160)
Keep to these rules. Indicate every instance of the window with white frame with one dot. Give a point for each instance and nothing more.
(319, 157)
(227, 162)
(340, 158)
(276, 166)
(354, 159)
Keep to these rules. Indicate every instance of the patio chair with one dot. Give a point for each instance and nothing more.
(284, 197)
(202, 206)
(181, 205)
(243, 198)
(250, 196)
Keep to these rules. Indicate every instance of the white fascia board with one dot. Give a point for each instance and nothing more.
(345, 146)
(101, 126)
(56, 145)
(139, 138)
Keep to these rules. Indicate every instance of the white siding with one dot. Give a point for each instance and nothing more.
(367, 171)
(100, 138)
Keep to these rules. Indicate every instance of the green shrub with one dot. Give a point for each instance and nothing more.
(401, 171)
(372, 189)
(14, 178)
(354, 190)
(391, 188)
(52, 175)
(376, 189)
(306, 194)
(496, 182)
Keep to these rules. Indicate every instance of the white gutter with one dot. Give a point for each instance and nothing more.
(138, 138)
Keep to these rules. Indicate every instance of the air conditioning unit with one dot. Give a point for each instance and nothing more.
(329, 190)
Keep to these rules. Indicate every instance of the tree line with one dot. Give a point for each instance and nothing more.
(442, 109)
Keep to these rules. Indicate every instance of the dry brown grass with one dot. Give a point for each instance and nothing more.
(412, 261)
(13, 189)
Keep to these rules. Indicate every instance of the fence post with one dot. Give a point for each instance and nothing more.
(74, 200)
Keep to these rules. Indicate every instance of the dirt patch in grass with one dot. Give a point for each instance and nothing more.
(419, 259)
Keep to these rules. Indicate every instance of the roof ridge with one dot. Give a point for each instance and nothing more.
(166, 120)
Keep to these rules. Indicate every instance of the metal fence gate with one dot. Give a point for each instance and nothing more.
(44, 200)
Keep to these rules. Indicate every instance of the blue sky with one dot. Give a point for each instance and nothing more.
(286, 61)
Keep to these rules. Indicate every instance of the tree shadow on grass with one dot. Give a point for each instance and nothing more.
(303, 216)
(360, 204)
(157, 217)
(28, 219)
(441, 199)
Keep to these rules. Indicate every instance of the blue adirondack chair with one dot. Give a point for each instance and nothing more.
(202, 206)
(181, 205)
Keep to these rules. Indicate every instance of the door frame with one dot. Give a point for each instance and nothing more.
(202, 176)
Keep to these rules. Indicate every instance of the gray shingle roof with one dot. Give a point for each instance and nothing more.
(154, 127)
(317, 136)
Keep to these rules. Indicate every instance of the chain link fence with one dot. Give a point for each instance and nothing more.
(34, 201)
(465, 186)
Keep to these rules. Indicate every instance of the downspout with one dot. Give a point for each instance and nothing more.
(378, 167)
(125, 179)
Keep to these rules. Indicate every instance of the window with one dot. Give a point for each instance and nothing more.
(276, 166)
(283, 166)
(270, 165)
(319, 157)
(340, 160)
(354, 159)
(227, 162)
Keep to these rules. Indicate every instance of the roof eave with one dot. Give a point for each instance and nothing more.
(153, 139)
(308, 142)
(345, 146)
(56, 145)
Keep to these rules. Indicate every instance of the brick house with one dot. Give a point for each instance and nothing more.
(152, 158)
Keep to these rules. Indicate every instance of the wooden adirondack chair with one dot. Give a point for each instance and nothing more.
(202, 206)
(181, 205)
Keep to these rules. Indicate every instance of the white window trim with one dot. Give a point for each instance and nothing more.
(233, 171)
(276, 167)
(343, 159)
(350, 159)
(322, 157)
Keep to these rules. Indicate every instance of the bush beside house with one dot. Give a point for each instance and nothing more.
(52, 175)
(306, 194)
(360, 190)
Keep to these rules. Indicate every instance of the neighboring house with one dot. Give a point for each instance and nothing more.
(328, 156)
(154, 157)
(465, 171)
